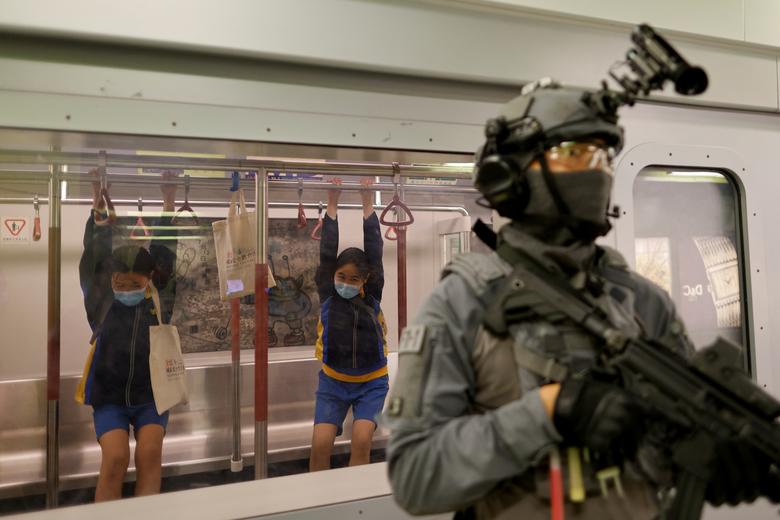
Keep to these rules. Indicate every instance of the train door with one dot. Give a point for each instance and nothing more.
(454, 238)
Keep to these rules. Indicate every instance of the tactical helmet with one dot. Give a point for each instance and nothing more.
(544, 115)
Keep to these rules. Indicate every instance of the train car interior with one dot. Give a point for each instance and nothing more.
(289, 106)
(434, 189)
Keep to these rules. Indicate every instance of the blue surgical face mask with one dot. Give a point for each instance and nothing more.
(130, 298)
(347, 291)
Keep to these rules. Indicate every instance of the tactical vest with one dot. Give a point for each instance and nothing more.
(540, 349)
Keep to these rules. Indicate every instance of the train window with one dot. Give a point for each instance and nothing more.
(687, 241)
(206, 437)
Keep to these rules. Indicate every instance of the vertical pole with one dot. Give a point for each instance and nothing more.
(53, 342)
(261, 327)
(401, 259)
(236, 461)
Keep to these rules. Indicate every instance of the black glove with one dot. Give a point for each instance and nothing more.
(740, 473)
(590, 411)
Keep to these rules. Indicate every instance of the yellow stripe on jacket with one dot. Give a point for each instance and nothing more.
(347, 378)
(354, 379)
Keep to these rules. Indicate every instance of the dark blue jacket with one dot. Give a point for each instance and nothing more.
(351, 341)
(119, 373)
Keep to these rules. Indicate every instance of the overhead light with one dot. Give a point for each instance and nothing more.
(696, 174)
(460, 164)
(64, 188)
(284, 159)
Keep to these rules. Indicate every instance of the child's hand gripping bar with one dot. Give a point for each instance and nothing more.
(105, 215)
(316, 233)
(186, 208)
(301, 211)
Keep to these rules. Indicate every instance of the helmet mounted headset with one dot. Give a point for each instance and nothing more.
(546, 114)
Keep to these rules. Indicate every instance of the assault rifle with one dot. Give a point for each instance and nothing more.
(708, 397)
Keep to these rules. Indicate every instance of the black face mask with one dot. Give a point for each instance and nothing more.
(585, 195)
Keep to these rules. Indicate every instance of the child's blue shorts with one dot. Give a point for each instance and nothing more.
(334, 398)
(115, 417)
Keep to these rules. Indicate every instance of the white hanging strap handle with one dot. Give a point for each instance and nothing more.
(241, 203)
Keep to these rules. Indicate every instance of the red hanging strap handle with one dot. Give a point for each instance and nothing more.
(37, 221)
(397, 204)
(391, 234)
(301, 210)
(301, 216)
(316, 233)
(140, 231)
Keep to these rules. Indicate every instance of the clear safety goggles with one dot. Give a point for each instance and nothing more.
(572, 156)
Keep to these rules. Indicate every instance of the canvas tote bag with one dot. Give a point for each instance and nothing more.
(234, 241)
(166, 365)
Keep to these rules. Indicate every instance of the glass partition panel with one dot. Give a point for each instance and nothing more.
(23, 332)
(688, 241)
(105, 296)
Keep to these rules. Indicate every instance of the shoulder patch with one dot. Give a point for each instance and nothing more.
(412, 340)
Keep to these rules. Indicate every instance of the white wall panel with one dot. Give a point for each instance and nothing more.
(735, 79)
(422, 39)
(116, 115)
(722, 18)
(370, 35)
(762, 22)
(109, 82)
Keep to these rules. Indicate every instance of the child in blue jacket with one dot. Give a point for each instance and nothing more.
(118, 386)
(352, 336)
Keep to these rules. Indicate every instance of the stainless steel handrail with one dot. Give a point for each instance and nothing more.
(205, 163)
(223, 204)
(211, 182)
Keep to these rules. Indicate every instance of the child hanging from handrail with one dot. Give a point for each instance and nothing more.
(352, 341)
(117, 298)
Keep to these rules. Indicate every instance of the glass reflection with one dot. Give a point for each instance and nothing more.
(687, 242)
(198, 440)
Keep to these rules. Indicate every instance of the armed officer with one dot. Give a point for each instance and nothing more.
(490, 405)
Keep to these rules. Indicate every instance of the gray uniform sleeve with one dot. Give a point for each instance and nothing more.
(443, 456)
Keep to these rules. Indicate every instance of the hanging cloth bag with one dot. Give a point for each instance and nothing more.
(234, 241)
(166, 365)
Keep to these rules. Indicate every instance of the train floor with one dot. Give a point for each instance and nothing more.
(74, 497)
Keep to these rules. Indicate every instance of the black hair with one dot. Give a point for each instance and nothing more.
(131, 259)
(357, 257)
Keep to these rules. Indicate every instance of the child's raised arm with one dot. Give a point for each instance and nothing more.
(94, 275)
(372, 241)
(163, 254)
(329, 245)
